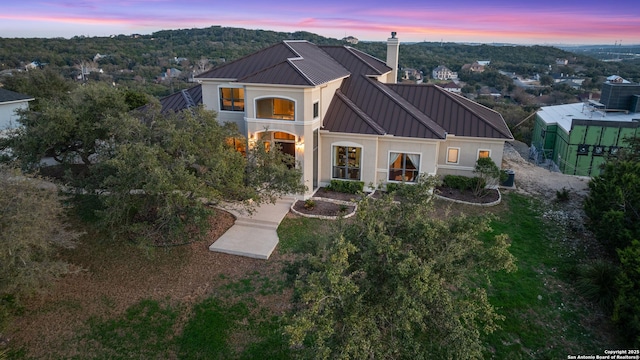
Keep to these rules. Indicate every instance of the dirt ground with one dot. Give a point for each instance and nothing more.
(535, 180)
(113, 277)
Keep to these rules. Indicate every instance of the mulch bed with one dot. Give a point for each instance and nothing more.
(330, 194)
(323, 208)
(490, 195)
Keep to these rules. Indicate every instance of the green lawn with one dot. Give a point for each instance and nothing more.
(544, 317)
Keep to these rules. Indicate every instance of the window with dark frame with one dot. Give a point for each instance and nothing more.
(316, 109)
(232, 99)
(275, 108)
(346, 162)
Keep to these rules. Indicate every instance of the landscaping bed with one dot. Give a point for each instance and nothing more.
(323, 208)
(488, 196)
(323, 192)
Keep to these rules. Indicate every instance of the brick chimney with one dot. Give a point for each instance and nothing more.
(393, 47)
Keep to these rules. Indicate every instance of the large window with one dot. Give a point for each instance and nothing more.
(346, 162)
(275, 108)
(232, 99)
(403, 167)
(453, 155)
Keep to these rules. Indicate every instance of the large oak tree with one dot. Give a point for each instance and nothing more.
(399, 283)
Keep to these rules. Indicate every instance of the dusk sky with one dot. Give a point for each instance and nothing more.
(485, 21)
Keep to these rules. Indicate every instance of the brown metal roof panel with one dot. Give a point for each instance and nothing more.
(355, 62)
(372, 61)
(281, 74)
(448, 109)
(250, 64)
(318, 66)
(344, 116)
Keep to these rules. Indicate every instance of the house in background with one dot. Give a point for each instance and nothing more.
(451, 87)
(577, 137)
(11, 101)
(477, 66)
(444, 73)
(341, 114)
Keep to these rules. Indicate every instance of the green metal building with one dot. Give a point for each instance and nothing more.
(577, 138)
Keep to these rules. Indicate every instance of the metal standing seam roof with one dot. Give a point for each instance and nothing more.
(286, 63)
(382, 107)
(362, 105)
(456, 114)
(9, 96)
(183, 99)
(356, 61)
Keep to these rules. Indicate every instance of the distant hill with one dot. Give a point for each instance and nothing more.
(141, 59)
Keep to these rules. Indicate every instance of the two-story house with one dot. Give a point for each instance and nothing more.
(444, 73)
(340, 113)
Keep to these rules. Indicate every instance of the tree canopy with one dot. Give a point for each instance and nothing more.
(398, 283)
(155, 170)
(613, 208)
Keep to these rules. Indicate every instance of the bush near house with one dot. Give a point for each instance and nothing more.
(348, 187)
(463, 182)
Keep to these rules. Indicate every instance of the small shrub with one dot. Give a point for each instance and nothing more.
(457, 182)
(348, 187)
(562, 195)
(596, 282)
(309, 204)
(464, 183)
(343, 208)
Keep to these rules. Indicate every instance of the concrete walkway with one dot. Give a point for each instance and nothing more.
(253, 235)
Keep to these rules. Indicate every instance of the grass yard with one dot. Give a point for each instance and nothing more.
(189, 303)
(545, 318)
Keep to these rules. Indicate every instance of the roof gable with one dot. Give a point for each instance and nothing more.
(373, 104)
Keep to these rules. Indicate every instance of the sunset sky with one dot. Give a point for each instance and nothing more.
(484, 21)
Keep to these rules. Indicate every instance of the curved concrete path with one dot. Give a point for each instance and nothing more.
(253, 235)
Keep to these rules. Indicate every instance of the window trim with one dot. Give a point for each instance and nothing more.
(257, 99)
(457, 155)
(244, 99)
(334, 157)
(415, 180)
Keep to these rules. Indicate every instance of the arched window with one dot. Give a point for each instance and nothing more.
(275, 108)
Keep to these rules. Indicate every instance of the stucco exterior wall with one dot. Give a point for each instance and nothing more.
(467, 155)
(374, 168)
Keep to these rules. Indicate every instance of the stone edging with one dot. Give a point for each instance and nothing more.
(494, 203)
(326, 217)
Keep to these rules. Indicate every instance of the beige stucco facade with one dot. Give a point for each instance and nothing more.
(468, 152)
(375, 150)
(302, 126)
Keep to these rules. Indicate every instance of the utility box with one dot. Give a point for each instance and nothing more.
(511, 175)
